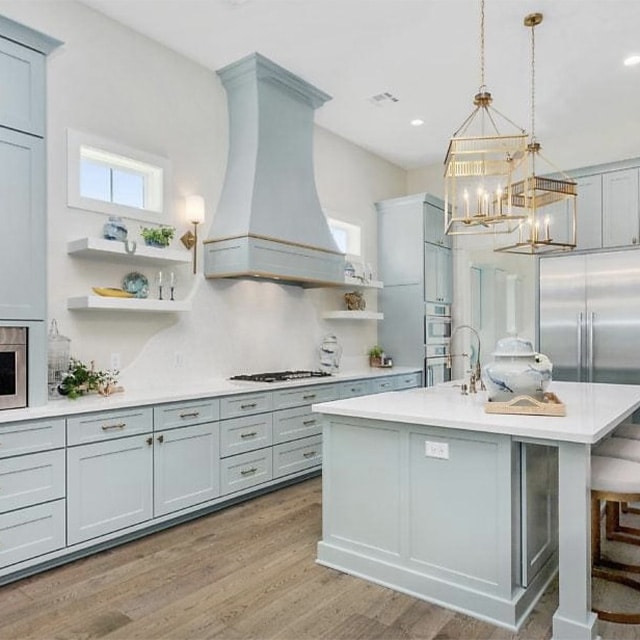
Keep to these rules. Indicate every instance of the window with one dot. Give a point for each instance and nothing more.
(346, 235)
(106, 177)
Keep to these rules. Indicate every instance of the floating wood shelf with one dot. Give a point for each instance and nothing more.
(114, 251)
(352, 315)
(96, 303)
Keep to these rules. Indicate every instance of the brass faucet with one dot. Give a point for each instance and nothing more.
(475, 376)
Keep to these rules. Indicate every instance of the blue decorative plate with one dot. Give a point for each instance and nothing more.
(136, 284)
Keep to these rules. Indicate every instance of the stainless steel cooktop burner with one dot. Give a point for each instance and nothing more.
(280, 376)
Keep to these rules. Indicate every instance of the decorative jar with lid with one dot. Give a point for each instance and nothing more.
(517, 370)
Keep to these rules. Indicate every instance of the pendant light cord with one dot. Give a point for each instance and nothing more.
(533, 83)
(482, 85)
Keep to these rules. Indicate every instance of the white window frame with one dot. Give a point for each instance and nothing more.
(352, 231)
(155, 169)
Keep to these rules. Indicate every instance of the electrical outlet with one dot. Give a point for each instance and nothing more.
(436, 450)
(115, 362)
(178, 359)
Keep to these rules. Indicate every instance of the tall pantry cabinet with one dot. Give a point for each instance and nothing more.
(23, 241)
(415, 263)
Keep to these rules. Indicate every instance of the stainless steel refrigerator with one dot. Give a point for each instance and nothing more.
(589, 316)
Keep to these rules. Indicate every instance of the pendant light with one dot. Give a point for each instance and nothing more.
(549, 200)
(480, 166)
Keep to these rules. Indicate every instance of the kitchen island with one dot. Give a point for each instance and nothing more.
(426, 493)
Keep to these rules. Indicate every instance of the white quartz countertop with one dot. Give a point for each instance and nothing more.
(593, 410)
(147, 393)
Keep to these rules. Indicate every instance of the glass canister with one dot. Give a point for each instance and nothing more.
(330, 354)
(59, 350)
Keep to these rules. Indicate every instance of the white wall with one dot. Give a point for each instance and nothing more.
(109, 81)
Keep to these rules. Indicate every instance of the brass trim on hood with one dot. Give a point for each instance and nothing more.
(272, 239)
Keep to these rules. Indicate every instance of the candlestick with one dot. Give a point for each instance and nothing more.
(547, 233)
(479, 209)
(536, 229)
(172, 280)
(499, 197)
(160, 278)
(465, 196)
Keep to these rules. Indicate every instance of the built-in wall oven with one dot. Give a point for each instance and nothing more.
(13, 367)
(437, 339)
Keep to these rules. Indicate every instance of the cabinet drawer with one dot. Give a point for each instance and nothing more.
(29, 480)
(31, 532)
(380, 385)
(182, 414)
(292, 424)
(244, 405)
(353, 389)
(245, 434)
(297, 456)
(408, 381)
(93, 427)
(17, 438)
(245, 470)
(285, 398)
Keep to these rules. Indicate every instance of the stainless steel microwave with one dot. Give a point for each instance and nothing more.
(13, 367)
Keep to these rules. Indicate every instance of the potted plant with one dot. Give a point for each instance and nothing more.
(81, 379)
(157, 236)
(376, 354)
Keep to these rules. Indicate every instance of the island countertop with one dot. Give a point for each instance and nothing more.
(592, 411)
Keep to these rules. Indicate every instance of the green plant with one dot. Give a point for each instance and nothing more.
(81, 379)
(161, 236)
(376, 351)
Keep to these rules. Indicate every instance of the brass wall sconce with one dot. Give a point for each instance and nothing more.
(195, 215)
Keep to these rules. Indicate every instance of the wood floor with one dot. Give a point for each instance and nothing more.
(247, 572)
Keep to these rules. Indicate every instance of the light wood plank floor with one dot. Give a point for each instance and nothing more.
(247, 572)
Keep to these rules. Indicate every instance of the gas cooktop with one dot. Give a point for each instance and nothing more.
(280, 376)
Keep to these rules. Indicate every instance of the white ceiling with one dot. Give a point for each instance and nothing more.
(426, 53)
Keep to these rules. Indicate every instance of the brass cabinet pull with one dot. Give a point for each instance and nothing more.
(246, 472)
(111, 427)
(309, 396)
(149, 441)
(190, 414)
(160, 439)
(307, 423)
(250, 434)
(249, 405)
(309, 454)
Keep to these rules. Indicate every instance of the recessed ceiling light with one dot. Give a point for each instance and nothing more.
(417, 122)
(631, 61)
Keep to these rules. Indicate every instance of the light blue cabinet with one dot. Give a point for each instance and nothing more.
(23, 237)
(438, 286)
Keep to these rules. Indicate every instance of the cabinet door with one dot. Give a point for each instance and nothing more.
(589, 212)
(400, 241)
(109, 486)
(185, 467)
(437, 274)
(22, 81)
(23, 240)
(620, 208)
(434, 225)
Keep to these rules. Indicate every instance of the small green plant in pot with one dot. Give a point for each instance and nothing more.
(81, 379)
(157, 236)
(375, 356)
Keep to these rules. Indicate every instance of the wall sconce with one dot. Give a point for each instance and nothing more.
(195, 215)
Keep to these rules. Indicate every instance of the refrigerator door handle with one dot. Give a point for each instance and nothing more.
(591, 322)
(580, 325)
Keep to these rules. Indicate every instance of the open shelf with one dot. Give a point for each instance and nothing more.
(94, 303)
(357, 283)
(352, 315)
(114, 251)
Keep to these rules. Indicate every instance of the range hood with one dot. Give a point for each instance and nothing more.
(269, 223)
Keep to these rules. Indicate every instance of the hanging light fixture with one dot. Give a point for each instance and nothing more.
(548, 201)
(480, 166)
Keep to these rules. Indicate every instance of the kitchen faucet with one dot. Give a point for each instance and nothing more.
(475, 376)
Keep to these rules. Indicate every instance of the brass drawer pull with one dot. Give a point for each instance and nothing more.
(309, 396)
(160, 439)
(246, 472)
(249, 405)
(190, 414)
(111, 427)
(309, 454)
(149, 441)
(308, 423)
(250, 434)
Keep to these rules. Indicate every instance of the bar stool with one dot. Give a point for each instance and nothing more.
(613, 480)
(627, 449)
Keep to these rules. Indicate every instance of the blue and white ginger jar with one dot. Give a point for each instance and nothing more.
(517, 370)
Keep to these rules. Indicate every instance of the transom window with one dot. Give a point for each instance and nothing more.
(107, 177)
(348, 236)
